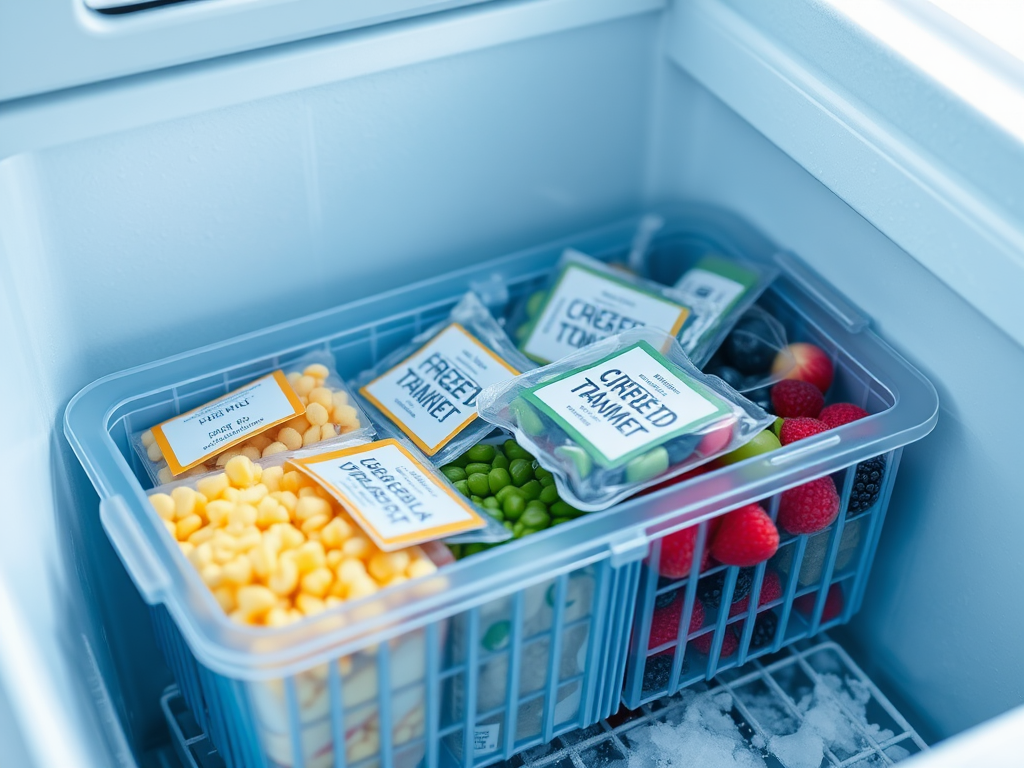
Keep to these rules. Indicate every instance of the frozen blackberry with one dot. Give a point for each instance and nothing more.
(710, 588)
(764, 629)
(658, 670)
(748, 347)
(867, 484)
(665, 600)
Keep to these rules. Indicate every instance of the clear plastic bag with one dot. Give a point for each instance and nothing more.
(427, 390)
(621, 415)
(344, 419)
(586, 301)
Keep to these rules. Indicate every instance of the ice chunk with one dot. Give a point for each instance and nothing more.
(703, 734)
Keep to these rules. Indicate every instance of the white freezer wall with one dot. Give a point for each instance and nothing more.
(132, 246)
(941, 619)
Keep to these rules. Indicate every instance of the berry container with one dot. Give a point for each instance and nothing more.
(511, 647)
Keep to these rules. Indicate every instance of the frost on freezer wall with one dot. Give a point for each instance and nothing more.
(948, 558)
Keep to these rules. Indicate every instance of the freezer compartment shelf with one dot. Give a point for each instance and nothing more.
(768, 697)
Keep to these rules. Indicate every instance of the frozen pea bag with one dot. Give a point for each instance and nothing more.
(586, 301)
(427, 390)
(300, 406)
(621, 415)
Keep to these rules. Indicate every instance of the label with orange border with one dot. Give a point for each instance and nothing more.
(431, 395)
(393, 497)
(191, 438)
(587, 305)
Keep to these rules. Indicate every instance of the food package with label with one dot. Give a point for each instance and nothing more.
(285, 412)
(621, 415)
(586, 301)
(427, 390)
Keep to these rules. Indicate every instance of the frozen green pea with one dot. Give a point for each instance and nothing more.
(491, 502)
(532, 490)
(497, 514)
(476, 499)
(540, 473)
(528, 531)
(527, 418)
(534, 517)
(498, 479)
(517, 529)
(547, 482)
(477, 467)
(504, 493)
(483, 452)
(577, 457)
(521, 471)
(462, 486)
(508, 525)
(647, 465)
(549, 494)
(561, 509)
(478, 484)
(515, 451)
(500, 462)
(462, 461)
(513, 506)
(559, 520)
(454, 473)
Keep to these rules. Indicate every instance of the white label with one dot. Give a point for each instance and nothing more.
(485, 738)
(393, 497)
(432, 394)
(710, 294)
(587, 306)
(625, 404)
(189, 439)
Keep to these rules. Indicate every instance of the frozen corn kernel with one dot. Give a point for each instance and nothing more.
(291, 481)
(259, 442)
(327, 431)
(212, 486)
(274, 448)
(184, 502)
(311, 506)
(231, 494)
(310, 556)
(291, 537)
(171, 526)
(272, 478)
(288, 500)
(304, 385)
(321, 396)
(201, 556)
(300, 424)
(396, 580)
(338, 399)
(250, 538)
(317, 582)
(226, 597)
(253, 495)
(227, 456)
(163, 504)
(255, 600)
(202, 535)
(357, 546)
(211, 575)
(238, 571)
(278, 617)
(293, 377)
(285, 578)
(420, 567)
(384, 566)
(332, 600)
(251, 452)
(350, 570)
(271, 511)
(335, 533)
(147, 438)
(291, 439)
(264, 560)
(346, 415)
(312, 525)
(309, 604)
(307, 490)
(242, 513)
(240, 471)
(362, 586)
(164, 476)
(154, 453)
(311, 436)
(334, 556)
(317, 414)
(187, 547)
(316, 370)
(217, 511)
(187, 526)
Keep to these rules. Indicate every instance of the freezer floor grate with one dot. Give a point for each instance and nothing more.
(771, 696)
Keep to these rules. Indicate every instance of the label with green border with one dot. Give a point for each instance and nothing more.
(626, 404)
(586, 305)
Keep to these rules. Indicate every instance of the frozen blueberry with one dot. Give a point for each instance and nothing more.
(730, 376)
(748, 348)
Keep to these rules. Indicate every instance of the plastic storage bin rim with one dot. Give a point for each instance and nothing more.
(621, 533)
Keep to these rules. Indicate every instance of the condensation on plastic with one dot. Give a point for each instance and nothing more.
(473, 315)
(521, 322)
(601, 487)
(333, 381)
(216, 661)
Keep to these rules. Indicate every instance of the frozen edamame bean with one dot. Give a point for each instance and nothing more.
(515, 451)
(549, 494)
(647, 465)
(535, 517)
(498, 479)
(491, 502)
(462, 486)
(454, 473)
(513, 506)
(531, 490)
(478, 484)
(500, 462)
(520, 471)
(477, 467)
(482, 452)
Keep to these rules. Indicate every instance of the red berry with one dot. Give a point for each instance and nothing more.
(665, 623)
(729, 643)
(771, 589)
(746, 537)
(841, 413)
(677, 553)
(792, 398)
(805, 362)
(799, 428)
(810, 507)
(833, 603)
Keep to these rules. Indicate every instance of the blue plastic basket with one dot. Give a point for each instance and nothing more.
(511, 647)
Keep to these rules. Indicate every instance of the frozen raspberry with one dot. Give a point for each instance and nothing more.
(799, 428)
(677, 553)
(833, 603)
(841, 413)
(771, 590)
(810, 507)
(792, 398)
(665, 623)
(746, 537)
(729, 643)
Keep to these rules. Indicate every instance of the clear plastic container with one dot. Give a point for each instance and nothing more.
(277, 697)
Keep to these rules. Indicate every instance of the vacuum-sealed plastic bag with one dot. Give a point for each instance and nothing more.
(621, 415)
(428, 389)
(303, 404)
(586, 301)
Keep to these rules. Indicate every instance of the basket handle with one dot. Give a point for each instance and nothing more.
(133, 549)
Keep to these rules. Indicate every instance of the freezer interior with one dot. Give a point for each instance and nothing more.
(149, 215)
